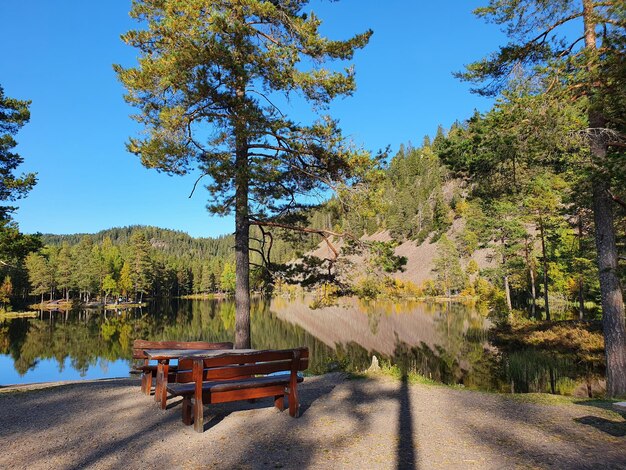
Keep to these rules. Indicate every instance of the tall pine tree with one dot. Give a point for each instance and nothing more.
(578, 49)
(210, 80)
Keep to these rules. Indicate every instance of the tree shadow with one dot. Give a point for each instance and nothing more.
(608, 426)
(406, 457)
(100, 420)
(613, 428)
(353, 411)
(538, 434)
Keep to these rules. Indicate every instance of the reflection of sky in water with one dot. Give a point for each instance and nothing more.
(47, 370)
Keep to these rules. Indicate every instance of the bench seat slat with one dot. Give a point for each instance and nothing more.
(226, 386)
(150, 368)
(237, 370)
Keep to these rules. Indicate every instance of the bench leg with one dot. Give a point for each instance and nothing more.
(187, 408)
(146, 382)
(279, 402)
(157, 385)
(198, 418)
(294, 405)
(160, 392)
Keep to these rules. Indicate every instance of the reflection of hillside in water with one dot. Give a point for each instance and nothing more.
(381, 326)
(439, 341)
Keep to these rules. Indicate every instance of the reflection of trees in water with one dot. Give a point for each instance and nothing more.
(88, 336)
(535, 370)
(5, 342)
(84, 337)
(269, 332)
(458, 356)
(81, 342)
(13, 332)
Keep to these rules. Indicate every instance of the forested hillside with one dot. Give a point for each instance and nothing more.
(129, 261)
(133, 262)
(503, 232)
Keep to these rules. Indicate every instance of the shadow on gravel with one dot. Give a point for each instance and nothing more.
(89, 418)
(538, 435)
(41, 408)
(120, 447)
(303, 444)
(614, 428)
(124, 427)
(406, 449)
(282, 445)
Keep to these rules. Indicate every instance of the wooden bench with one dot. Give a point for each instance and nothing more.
(148, 371)
(234, 377)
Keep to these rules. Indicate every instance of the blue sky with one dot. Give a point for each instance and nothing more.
(60, 54)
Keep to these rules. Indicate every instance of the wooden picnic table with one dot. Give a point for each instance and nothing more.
(164, 356)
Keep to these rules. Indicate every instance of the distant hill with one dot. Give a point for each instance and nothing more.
(169, 242)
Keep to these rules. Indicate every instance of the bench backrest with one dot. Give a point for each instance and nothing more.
(139, 345)
(231, 366)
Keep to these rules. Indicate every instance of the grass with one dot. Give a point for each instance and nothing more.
(605, 404)
(394, 372)
(581, 338)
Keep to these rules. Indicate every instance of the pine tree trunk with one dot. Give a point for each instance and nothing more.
(533, 292)
(242, 252)
(546, 297)
(507, 293)
(581, 282)
(531, 273)
(507, 289)
(612, 301)
(242, 214)
(613, 321)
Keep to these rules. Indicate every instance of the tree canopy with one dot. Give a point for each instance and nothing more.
(14, 114)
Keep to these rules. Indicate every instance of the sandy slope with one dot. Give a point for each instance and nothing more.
(420, 257)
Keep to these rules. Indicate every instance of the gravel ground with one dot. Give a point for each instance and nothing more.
(364, 424)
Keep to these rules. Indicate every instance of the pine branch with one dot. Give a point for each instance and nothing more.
(325, 234)
(616, 199)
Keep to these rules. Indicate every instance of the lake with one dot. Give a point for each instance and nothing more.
(446, 342)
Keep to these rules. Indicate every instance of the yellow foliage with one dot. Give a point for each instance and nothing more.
(461, 208)
(572, 285)
(472, 267)
(325, 296)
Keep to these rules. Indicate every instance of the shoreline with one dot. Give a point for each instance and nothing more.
(378, 375)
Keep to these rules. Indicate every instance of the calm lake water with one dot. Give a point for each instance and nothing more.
(446, 342)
